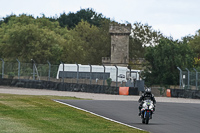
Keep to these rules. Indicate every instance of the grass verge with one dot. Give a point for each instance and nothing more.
(39, 114)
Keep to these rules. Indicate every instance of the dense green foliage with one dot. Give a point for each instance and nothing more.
(163, 60)
(142, 36)
(195, 42)
(42, 39)
(70, 20)
(87, 45)
(27, 38)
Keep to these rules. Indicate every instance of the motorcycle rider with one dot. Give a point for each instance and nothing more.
(147, 95)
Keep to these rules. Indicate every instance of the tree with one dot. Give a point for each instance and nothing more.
(88, 44)
(25, 38)
(194, 41)
(70, 20)
(30, 42)
(141, 37)
(7, 18)
(163, 60)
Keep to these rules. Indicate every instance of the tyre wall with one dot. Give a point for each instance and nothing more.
(36, 84)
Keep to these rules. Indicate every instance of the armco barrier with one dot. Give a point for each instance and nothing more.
(5, 82)
(183, 93)
(133, 91)
(59, 86)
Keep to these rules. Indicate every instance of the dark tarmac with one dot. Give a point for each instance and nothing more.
(168, 117)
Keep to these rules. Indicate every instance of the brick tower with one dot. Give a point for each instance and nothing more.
(119, 44)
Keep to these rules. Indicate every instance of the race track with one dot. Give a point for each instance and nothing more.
(169, 117)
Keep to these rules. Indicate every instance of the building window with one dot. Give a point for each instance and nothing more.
(113, 47)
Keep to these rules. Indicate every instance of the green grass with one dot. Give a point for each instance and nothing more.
(40, 114)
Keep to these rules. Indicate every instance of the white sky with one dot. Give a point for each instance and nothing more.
(176, 18)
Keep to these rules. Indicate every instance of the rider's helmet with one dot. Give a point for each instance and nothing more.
(148, 90)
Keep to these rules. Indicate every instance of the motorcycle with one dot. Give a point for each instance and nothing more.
(147, 111)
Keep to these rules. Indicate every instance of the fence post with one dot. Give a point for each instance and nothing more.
(180, 76)
(116, 75)
(90, 73)
(63, 72)
(104, 70)
(18, 68)
(49, 74)
(196, 78)
(33, 62)
(77, 78)
(188, 78)
(2, 67)
(129, 67)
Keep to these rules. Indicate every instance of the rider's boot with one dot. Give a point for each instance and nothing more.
(151, 115)
(140, 107)
(139, 113)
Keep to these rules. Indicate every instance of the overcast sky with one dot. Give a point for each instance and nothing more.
(176, 18)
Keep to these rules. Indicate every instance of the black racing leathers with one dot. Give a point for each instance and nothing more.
(146, 96)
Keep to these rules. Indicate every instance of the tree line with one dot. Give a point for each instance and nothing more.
(83, 37)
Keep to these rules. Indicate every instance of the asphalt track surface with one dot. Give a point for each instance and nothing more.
(168, 118)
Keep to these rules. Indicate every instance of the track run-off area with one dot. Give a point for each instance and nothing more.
(171, 115)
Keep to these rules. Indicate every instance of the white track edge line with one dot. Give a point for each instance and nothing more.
(99, 115)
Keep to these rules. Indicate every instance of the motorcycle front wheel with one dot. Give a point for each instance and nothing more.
(147, 118)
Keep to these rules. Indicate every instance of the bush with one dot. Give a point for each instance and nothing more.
(109, 81)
